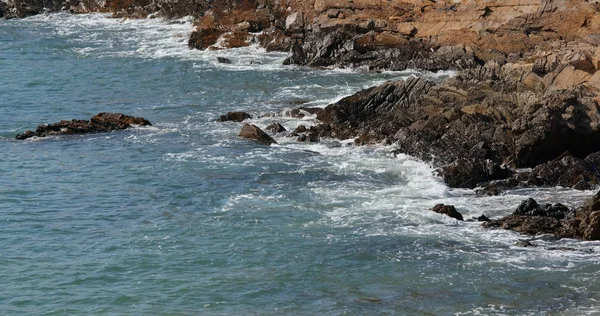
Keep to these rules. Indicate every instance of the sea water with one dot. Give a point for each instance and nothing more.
(185, 218)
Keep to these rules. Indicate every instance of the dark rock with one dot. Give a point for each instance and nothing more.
(525, 243)
(307, 138)
(530, 225)
(24, 8)
(495, 187)
(354, 46)
(534, 219)
(100, 123)
(467, 173)
(300, 129)
(253, 132)
(569, 171)
(531, 208)
(224, 60)
(234, 116)
(380, 110)
(448, 210)
(276, 128)
(303, 111)
(483, 218)
(478, 126)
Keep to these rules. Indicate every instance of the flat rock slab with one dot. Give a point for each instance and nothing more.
(100, 123)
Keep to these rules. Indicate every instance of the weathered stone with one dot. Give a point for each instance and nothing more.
(589, 217)
(253, 132)
(276, 128)
(100, 123)
(234, 116)
(448, 210)
(204, 38)
(224, 60)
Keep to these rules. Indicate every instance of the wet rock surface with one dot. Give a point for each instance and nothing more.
(448, 210)
(480, 126)
(100, 123)
(253, 132)
(558, 220)
(234, 116)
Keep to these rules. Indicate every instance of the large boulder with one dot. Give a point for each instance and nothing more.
(100, 123)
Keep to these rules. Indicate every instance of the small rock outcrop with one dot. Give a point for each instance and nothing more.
(558, 220)
(234, 116)
(448, 210)
(276, 128)
(100, 123)
(253, 132)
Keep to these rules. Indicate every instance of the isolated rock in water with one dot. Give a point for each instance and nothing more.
(234, 116)
(252, 131)
(448, 210)
(117, 121)
(276, 128)
(100, 123)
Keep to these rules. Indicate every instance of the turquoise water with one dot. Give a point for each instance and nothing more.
(185, 218)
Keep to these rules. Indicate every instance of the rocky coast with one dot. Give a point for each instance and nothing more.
(522, 109)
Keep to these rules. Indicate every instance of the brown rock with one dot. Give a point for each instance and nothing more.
(589, 216)
(276, 128)
(204, 38)
(234, 40)
(100, 123)
(253, 132)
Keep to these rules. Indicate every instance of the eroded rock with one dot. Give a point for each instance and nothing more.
(100, 123)
(234, 116)
(448, 210)
(253, 132)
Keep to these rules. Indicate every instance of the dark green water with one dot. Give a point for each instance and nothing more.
(185, 218)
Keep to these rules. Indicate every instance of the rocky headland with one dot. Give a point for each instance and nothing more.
(522, 109)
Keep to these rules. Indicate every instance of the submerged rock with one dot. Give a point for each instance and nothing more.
(100, 123)
(253, 132)
(224, 60)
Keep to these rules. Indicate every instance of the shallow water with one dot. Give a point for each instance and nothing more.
(185, 218)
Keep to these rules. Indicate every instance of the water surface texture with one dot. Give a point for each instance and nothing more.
(185, 218)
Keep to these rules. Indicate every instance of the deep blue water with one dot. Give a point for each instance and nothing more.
(185, 218)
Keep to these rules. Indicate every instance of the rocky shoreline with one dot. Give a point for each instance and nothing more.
(522, 110)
